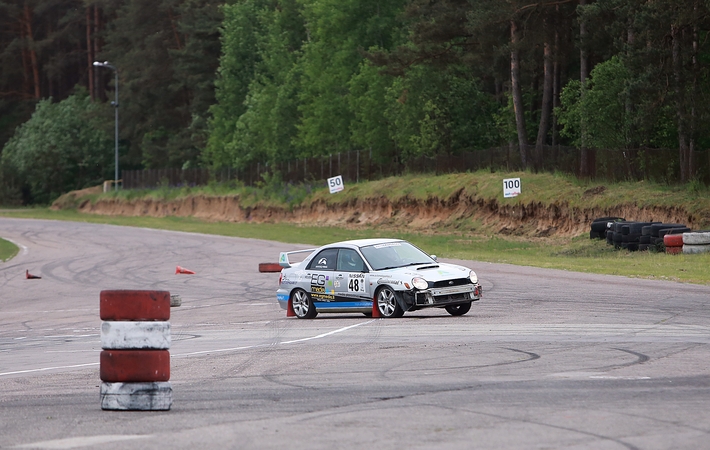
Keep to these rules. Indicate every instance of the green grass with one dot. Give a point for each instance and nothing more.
(578, 254)
(7, 250)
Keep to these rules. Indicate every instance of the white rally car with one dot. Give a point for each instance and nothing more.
(350, 276)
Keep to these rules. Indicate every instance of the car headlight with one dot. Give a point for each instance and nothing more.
(420, 283)
(474, 278)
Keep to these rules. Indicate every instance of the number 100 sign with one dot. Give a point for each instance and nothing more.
(511, 187)
(335, 184)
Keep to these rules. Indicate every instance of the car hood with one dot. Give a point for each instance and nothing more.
(431, 272)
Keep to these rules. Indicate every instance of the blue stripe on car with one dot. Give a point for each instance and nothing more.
(326, 305)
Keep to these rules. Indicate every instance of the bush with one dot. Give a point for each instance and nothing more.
(63, 147)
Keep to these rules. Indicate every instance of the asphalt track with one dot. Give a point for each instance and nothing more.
(546, 360)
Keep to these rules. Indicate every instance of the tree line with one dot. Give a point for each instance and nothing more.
(220, 84)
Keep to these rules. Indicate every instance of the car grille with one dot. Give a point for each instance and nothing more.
(446, 295)
(449, 283)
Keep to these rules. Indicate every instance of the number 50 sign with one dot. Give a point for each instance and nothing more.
(335, 184)
(511, 187)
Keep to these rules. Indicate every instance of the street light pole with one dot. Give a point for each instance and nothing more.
(115, 105)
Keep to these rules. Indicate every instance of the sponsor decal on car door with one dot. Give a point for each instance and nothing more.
(351, 277)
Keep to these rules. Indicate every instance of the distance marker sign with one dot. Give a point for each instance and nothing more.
(511, 187)
(335, 184)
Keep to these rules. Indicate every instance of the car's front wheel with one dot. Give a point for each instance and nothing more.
(302, 305)
(458, 310)
(387, 303)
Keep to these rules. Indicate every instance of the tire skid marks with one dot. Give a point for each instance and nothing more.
(394, 372)
(354, 350)
(539, 423)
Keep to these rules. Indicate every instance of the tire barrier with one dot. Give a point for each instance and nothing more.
(600, 226)
(270, 267)
(674, 250)
(697, 238)
(696, 242)
(135, 361)
(690, 249)
(673, 240)
(641, 236)
(673, 243)
(175, 300)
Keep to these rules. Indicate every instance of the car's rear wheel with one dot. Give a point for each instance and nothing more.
(387, 303)
(458, 310)
(302, 304)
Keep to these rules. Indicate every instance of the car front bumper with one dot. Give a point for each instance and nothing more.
(444, 296)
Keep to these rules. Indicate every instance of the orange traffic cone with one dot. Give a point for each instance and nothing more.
(289, 311)
(29, 276)
(184, 271)
(375, 309)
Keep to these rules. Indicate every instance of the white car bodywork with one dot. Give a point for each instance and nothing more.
(392, 274)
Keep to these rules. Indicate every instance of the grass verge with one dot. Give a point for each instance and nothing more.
(7, 250)
(578, 254)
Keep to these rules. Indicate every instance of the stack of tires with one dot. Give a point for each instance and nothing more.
(600, 227)
(642, 236)
(696, 242)
(673, 243)
(631, 235)
(652, 235)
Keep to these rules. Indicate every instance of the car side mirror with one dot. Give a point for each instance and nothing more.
(434, 257)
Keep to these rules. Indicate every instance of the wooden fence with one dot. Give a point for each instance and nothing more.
(355, 166)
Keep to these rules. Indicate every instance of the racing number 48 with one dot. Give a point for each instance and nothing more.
(355, 285)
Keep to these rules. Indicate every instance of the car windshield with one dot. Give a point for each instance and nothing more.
(391, 255)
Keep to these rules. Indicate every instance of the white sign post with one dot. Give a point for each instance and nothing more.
(511, 187)
(335, 184)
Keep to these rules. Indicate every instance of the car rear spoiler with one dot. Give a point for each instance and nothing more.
(283, 257)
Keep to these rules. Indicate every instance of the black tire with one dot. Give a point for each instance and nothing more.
(645, 239)
(303, 305)
(388, 303)
(637, 227)
(595, 235)
(633, 237)
(666, 231)
(601, 224)
(660, 226)
(458, 310)
(644, 247)
(617, 226)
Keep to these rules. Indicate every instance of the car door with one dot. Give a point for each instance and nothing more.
(352, 278)
(320, 275)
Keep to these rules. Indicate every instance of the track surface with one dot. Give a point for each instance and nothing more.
(548, 359)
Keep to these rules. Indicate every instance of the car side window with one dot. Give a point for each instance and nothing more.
(350, 261)
(325, 260)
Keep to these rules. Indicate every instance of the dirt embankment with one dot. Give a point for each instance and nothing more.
(459, 212)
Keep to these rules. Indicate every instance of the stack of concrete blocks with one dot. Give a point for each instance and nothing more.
(135, 361)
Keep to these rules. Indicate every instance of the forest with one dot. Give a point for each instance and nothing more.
(226, 84)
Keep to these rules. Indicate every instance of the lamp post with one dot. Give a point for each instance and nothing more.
(115, 105)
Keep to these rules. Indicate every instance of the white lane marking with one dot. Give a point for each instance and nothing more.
(44, 369)
(609, 377)
(221, 350)
(329, 333)
(82, 441)
(22, 247)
